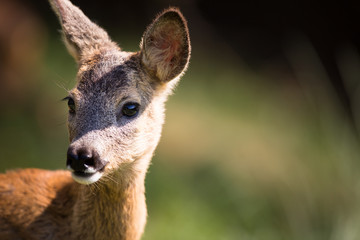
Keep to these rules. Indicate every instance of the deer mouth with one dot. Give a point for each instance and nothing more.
(86, 178)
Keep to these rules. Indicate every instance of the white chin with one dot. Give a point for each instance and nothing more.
(86, 179)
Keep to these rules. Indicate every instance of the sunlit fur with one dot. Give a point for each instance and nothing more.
(110, 204)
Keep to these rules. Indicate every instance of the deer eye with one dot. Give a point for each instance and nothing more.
(71, 104)
(130, 109)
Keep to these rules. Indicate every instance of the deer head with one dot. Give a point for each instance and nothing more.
(116, 109)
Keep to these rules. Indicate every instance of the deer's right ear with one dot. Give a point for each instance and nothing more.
(80, 34)
(165, 47)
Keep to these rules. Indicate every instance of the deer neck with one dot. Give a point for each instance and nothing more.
(111, 209)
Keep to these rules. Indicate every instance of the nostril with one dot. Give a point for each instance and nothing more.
(86, 158)
(71, 158)
(89, 162)
(76, 159)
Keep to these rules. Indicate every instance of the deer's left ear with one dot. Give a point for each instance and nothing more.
(165, 47)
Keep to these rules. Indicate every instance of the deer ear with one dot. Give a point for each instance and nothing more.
(165, 46)
(80, 34)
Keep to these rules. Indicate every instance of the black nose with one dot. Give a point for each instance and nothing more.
(84, 160)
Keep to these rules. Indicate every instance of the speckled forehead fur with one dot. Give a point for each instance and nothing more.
(113, 74)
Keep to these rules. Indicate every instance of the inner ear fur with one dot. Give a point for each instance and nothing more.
(165, 46)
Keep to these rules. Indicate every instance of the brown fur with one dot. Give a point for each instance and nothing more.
(39, 204)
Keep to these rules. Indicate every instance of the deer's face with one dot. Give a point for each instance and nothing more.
(116, 109)
(115, 116)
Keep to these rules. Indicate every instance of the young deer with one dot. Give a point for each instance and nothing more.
(116, 112)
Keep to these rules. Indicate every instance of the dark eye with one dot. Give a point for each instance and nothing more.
(71, 104)
(130, 109)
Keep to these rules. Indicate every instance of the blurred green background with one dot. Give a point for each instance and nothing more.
(260, 140)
